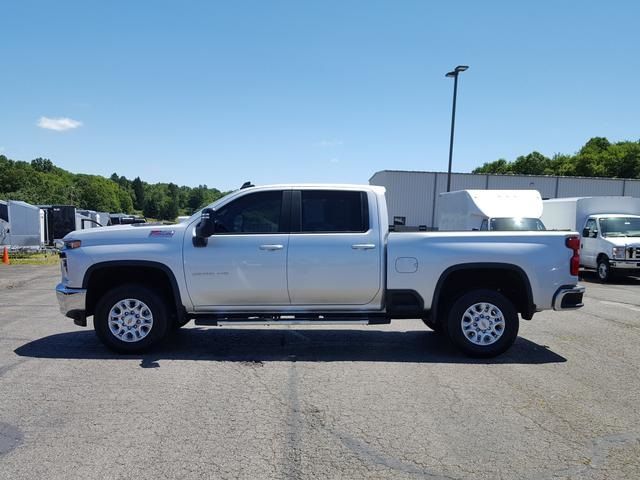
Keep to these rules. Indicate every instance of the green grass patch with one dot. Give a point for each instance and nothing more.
(35, 258)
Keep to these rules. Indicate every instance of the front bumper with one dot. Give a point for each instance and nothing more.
(72, 303)
(568, 297)
(624, 264)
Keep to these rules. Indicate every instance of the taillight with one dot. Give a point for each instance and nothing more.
(574, 264)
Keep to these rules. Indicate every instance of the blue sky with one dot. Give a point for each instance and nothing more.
(301, 91)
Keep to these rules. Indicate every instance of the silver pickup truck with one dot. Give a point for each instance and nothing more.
(322, 254)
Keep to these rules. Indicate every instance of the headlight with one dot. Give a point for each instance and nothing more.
(619, 252)
(71, 244)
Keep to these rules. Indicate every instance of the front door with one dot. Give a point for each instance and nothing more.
(589, 250)
(334, 249)
(244, 263)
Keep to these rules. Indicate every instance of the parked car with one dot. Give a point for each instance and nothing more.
(316, 254)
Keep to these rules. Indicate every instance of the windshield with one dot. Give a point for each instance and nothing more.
(519, 224)
(620, 226)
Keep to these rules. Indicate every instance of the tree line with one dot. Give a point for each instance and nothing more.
(40, 182)
(597, 158)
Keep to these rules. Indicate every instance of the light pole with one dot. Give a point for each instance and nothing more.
(454, 73)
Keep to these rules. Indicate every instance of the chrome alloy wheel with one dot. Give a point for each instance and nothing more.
(482, 323)
(130, 320)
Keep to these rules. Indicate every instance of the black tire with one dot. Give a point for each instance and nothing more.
(507, 323)
(154, 304)
(433, 325)
(603, 270)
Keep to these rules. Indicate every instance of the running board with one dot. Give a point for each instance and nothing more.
(301, 319)
(223, 323)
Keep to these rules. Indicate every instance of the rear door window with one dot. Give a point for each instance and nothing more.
(331, 211)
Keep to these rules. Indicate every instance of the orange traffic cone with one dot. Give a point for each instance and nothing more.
(5, 256)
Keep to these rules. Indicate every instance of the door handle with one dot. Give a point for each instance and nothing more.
(271, 247)
(363, 246)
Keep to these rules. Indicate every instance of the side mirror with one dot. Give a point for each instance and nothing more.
(585, 232)
(205, 228)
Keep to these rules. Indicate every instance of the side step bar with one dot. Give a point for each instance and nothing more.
(301, 319)
(223, 323)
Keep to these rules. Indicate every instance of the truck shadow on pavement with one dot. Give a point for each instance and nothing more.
(286, 345)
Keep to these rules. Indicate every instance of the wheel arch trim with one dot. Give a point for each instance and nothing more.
(485, 265)
(175, 288)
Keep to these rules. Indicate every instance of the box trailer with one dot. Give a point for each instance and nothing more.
(490, 210)
(21, 226)
(4, 223)
(60, 220)
(609, 227)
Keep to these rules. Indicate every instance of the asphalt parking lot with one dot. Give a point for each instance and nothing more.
(385, 401)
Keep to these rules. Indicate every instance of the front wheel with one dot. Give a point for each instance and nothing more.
(604, 269)
(131, 318)
(483, 323)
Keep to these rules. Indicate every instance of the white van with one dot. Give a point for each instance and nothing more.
(496, 210)
(610, 230)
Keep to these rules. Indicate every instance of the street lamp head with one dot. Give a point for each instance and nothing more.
(456, 71)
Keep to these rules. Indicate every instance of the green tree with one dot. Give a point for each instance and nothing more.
(597, 158)
(42, 165)
(138, 193)
(169, 210)
(41, 182)
(97, 193)
(500, 166)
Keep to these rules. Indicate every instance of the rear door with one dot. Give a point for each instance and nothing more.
(334, 249)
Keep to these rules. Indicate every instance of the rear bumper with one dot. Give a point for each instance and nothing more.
(72, 303)
(568, 297)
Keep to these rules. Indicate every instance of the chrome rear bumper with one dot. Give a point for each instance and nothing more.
(568, 298)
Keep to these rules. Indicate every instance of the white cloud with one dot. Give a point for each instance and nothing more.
(58, 124)
(328, 143)
(334, 160)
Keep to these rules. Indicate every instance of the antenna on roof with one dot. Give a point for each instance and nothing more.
(247, 185)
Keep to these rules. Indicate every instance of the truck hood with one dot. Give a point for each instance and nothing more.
(118, 234)
(623, 241)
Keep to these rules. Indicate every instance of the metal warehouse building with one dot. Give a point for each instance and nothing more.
(412, 197)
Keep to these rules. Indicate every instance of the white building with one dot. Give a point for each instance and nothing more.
(412, 197)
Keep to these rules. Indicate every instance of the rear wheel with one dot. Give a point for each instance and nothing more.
(482, 323)
(131, 318)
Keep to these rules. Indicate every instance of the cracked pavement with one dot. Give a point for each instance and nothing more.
(385, 401)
